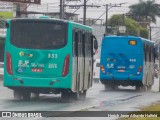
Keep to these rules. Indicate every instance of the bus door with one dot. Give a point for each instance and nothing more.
(75, 59)
(80, 61)
(84, 59)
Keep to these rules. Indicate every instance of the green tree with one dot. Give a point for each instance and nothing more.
(116, 20)
(145, 11)
(144, 32)
(132, 27)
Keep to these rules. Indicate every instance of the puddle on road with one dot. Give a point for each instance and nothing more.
(114, 102)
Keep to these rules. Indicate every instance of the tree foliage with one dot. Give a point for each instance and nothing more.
(132, 27)
(145, 11)
(144, 32)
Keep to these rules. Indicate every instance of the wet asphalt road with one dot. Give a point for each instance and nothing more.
(122, 99)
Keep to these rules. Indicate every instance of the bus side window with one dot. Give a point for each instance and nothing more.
(79, 43)
(87, 44)
(147, 53)
(90, 45)
(83, 43)
(145, 56)
(152, 55)
(81, 39)
(73, 42)
(76, 43)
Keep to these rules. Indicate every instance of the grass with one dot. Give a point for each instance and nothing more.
(149, 110)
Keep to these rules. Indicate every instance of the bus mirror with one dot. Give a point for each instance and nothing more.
(7, 25)
(95, 44)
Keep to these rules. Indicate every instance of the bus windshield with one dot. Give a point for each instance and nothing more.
(121, 45)
(31, 34)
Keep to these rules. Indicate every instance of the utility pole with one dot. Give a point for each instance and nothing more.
(106, 19)
(84, 10)
(84, 13)
(60, 16)
(18, 10)
(150, 32)
(109, 6)
(62, 2)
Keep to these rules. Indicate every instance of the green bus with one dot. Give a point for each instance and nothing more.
(47, 55)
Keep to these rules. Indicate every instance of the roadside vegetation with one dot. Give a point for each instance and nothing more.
(152, 109)
(137, 21)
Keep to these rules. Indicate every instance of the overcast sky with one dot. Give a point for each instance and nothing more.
(53, 6)
(96, 12)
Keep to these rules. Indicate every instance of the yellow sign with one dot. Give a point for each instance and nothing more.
(132, 42)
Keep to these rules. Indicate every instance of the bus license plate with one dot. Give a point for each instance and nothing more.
(121, 70)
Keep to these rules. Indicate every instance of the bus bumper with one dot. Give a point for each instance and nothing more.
(18, 81)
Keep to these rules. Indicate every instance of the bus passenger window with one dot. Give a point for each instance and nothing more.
(73, 42)
(147, 53)
(76, 43)
(83, 44)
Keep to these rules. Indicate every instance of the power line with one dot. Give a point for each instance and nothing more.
(85, 6)
(109, 6)
(156, 33)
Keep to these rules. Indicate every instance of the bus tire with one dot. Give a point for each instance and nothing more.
(65, 95)
(76, 95)
(149, 87)
(138, 88)
(107, 87)
(35, 95)
(17, 95)
(114, 87)
(143, 88)
(26, 95)
(83, 95)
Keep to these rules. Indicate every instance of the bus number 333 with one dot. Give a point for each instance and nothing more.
(52, 56)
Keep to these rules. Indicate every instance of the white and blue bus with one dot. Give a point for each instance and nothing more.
(127, 60)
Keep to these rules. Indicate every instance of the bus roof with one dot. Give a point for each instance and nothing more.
(48, 18)
(145, 41)
(78, 24)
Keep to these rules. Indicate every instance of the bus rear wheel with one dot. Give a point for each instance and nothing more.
(26, 95)
(109, 87)
(138, 88)
(82, 94)
(17, 95)
(35, 95)
(65, 95)
(149, 87)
